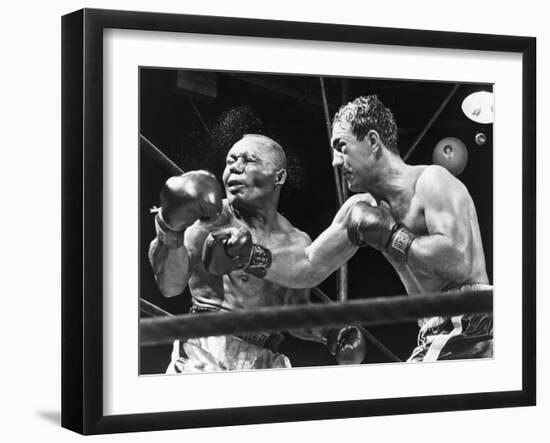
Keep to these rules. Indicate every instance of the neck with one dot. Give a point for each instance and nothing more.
(393, 180)
(257, 218)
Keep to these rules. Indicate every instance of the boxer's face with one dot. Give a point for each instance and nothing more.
(352, 156)
(250, 173)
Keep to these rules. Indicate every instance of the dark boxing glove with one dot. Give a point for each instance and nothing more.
(232, 248)
(375, 226)
(347, 344)
(183, 200)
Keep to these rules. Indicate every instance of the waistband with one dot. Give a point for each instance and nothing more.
(428, 323)
(467, 287)
(265, 340)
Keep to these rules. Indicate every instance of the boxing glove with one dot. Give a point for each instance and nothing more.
(375, 226)
(232, 249)
(347, 345)
(183, 200)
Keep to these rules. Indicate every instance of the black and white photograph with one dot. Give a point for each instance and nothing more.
(270, 222)
(290, 221)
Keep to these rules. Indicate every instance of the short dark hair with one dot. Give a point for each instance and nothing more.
(366, 113)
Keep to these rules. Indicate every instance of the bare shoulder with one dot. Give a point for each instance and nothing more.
(432, 174)
(292, 233)
(300, 237)
(436, 180)
(438, 188)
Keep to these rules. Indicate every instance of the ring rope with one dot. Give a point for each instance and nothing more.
(156, 154)
(153, 310)
(376, 311)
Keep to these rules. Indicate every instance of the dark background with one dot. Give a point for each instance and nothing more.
(196, 119)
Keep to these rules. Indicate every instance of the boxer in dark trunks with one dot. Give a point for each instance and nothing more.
(421, 218)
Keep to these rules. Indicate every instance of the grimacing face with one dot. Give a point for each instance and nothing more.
(250, 171)
(352, 156)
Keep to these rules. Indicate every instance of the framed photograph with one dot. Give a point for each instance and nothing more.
(270, 221)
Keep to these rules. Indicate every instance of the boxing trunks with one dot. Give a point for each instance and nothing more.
(452, 338)
(227, 353)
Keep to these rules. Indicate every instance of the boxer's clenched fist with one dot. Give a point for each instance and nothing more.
(188, 197)
(375, 226)
(226, 250)
(183, 200)
(230, 249)
(370, 225)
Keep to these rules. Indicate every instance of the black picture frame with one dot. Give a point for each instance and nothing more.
(82, 218)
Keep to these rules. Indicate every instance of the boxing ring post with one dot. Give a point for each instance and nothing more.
(341, 192)
(337, 178)
(344, 98)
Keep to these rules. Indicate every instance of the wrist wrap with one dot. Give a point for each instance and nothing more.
(260, 260)
(400, 242)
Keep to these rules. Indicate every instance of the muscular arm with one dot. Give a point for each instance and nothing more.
(303, 264)
(445, 252)
(173, 267)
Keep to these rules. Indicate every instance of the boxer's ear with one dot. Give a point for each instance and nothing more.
(280, 177)
(374, 140)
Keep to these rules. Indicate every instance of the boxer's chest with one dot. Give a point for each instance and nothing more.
(243, 290)
(410, 213)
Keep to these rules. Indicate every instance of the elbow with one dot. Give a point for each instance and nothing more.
(303, 284)
(312, 279)
(460, 274)
(299, 281)
(169, 290)
(461, 265)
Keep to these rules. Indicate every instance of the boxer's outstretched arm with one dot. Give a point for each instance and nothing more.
(302, 264)
(448, 210)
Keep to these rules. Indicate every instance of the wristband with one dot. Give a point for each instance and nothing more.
(260, 260)
(400, 242)
(166, 235)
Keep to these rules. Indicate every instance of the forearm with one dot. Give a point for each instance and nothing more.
(170, 267)
(437, 255)
(299, 266)
(184, 199)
